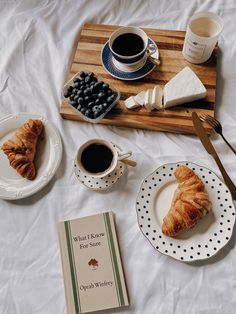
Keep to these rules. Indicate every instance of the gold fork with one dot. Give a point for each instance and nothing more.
(216, 126)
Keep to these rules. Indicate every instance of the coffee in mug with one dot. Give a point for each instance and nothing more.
(96, 158)
(128, 44)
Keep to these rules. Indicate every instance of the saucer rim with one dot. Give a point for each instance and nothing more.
(119, 163)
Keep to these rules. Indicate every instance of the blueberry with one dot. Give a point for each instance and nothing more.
(91, 74)
(93, 89)
(90, 104)
(72, 96)
(76, 97)
(87, 99)
(101, 95)
(109, 92)
(88, 113)
(97, 101)
(80, 100)
(82, 74)
(105, 105)
(110, 100)
(87, 79)
(94, 96)
(73, 103)
(79, 107)
(82, 86)
(105, 86)
(95, 108)
(83, 110)
(97, 85)
(80, 93)
(77, 84)
(95, 79)
(70, 88)
(113, 96)
(67, 94)
(87, 92)
(100, 107)
(97, 113)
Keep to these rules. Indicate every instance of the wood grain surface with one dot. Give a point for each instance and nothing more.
(86, 57)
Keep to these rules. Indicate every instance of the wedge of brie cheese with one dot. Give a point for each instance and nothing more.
(184, 87)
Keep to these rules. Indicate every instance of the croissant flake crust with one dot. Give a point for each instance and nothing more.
(21, 148)
(190, 203)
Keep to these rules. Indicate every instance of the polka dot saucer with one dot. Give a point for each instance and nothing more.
(104, 183)
(202, 241)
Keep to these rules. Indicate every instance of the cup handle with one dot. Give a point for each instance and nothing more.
(124, 155)
(151, 49)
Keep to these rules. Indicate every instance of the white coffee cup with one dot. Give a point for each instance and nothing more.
(89, 158)
(201, 37)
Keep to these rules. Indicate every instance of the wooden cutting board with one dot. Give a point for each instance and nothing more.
(86, 57)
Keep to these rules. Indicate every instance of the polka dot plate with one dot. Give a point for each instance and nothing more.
(203, 240)
(107, 62)
(104, 183)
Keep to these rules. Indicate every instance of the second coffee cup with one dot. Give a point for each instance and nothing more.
(129, 45)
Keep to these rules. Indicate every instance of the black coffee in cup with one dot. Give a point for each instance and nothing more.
(96, 158)
(128, 44)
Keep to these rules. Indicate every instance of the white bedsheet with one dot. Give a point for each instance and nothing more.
(36, 39)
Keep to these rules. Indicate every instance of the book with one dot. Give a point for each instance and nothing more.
(91, 263)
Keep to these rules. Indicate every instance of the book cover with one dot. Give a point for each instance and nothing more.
(91, 262)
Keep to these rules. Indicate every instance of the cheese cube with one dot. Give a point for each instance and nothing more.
(183, 88)
(140, 98)
(130, 103)
(148, 100)
(157, 94)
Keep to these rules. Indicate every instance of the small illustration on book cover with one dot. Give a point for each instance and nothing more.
(93, 263)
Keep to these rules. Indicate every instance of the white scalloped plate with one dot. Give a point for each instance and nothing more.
(48, 157)
(202, 241)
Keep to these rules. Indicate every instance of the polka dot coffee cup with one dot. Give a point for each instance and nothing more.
(97, 158)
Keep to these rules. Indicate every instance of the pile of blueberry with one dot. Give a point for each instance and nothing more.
(90, 96)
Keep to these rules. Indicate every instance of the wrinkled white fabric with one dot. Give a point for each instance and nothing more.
(36, 39)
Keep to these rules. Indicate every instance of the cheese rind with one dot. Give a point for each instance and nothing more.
(184, 87)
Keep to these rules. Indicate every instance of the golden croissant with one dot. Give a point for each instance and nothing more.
(21, 148)
(190, 203)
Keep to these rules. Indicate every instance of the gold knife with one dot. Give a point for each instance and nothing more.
(211, 150)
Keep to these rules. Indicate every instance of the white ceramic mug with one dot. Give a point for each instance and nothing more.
(201, 37)
(132, 60)
(115, 157)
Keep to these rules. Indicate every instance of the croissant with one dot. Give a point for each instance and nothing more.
(190, 203)
(21, 148)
